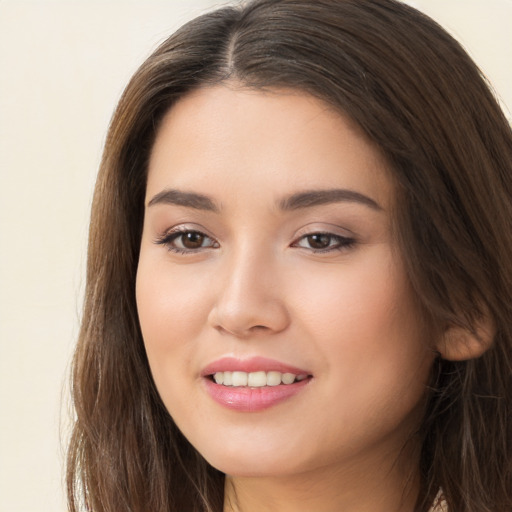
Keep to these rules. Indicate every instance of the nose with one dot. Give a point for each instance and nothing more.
(249, 300)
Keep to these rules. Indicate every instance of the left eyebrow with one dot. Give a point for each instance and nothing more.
(310, 198)
(187, 199)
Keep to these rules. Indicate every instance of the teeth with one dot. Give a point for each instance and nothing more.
(256, 379)
(239, 379)
(288, 378)
(273, 378)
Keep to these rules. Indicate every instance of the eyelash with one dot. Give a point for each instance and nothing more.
(341, 243)
(169, 237)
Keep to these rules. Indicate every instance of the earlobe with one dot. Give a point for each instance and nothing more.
(460, 344)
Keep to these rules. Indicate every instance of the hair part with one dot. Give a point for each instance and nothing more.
(419, 98)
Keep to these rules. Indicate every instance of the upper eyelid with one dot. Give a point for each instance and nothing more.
(324, 228)
(185, 228)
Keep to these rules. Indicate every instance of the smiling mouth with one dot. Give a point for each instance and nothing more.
(258, 379)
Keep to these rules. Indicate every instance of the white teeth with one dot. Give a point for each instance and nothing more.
(239, 379)
(256, 379)
(288, 378)
(273, 378)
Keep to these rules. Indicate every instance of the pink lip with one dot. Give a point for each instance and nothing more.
(246, 399)
(254, 364)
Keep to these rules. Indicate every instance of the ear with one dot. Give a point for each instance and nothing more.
(459, 343)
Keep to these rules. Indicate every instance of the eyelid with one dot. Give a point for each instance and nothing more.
(185, 227)
(324, 227)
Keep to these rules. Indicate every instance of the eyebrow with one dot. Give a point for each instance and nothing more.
(305, 199)
(187, 199)
(310, 198)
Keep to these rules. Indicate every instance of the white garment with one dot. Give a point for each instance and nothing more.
(439, 504)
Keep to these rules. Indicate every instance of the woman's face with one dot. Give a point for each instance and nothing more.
(279, 324)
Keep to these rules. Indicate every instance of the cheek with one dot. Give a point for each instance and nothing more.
(172, 307)
(367, 299)
(366, 325)
(375, 360)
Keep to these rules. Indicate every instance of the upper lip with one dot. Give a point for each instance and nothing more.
(253, 364)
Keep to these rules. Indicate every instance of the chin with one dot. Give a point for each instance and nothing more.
(254, 463)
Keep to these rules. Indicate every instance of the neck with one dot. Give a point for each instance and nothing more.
(386, 485)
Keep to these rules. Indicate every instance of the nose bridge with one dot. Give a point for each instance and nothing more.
(249, 298)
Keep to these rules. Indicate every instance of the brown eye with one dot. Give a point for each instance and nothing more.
(319, 240)
(192, 240)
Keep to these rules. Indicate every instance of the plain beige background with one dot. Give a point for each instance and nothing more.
(63, 65)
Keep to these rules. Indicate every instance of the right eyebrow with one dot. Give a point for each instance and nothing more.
(310, 198)
(187, 199)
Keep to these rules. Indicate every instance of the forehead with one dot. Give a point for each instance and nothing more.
(223, 138)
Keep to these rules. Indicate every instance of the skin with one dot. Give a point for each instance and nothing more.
(257, 286)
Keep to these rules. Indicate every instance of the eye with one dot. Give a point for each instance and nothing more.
(186, 241)
(324, 242)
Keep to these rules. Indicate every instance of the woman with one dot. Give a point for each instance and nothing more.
(299, 282)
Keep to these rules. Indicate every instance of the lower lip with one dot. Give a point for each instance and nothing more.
(245, 399)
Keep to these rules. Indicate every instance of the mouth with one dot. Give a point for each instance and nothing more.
(257, 379)
(253, 384)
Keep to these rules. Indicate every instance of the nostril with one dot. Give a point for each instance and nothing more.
(244, 318)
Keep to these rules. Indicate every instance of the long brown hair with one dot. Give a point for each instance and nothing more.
(417, 95)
